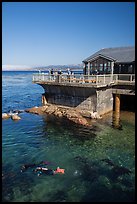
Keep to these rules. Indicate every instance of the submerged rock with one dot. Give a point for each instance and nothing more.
(35, 110)
(120, 170)
(116, 170)
(109, 162)
(15, 117)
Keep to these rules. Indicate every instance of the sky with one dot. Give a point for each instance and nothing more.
(62, 33)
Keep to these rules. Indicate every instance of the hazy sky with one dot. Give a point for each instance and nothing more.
(45, 33)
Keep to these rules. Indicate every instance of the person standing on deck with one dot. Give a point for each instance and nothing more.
(51, 74)
(69, 73)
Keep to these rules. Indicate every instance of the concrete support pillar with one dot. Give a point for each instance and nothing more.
(117, 103)
(116, 114)
(88, 68)
(44, 100)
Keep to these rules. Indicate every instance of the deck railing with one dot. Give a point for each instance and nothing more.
(93, 80)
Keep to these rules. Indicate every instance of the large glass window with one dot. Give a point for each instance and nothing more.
(108, 64)
(101, 67)
(105, 67)
(130, 69)
(108, 68)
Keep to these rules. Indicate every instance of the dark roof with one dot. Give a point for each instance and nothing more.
(118, 54)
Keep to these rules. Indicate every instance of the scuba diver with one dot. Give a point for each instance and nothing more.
(29, 165)
(47, 171)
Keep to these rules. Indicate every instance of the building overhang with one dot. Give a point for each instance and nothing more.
(125, 62)
(98, 56)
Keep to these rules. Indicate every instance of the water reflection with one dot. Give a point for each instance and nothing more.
(116, 121)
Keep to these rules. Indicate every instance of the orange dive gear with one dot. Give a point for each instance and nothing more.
(58, 170)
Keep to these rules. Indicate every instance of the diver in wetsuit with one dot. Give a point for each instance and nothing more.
(44, 170)
(48, 171)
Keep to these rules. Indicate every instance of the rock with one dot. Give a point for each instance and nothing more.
(15, 117)
(36, 110)
(94, 115)
(81, 121)
(120, 170)
(71, 114)
(51, 109)
(75, 117)
(58, 113)
(5, 115)
(86, 114)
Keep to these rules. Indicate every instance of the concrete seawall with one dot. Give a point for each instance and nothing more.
(85, 98)
(104, 100)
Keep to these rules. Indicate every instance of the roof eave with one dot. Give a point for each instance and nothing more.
(97, 56)
(120, 62)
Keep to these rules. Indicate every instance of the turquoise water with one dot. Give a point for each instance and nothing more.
(79, 151)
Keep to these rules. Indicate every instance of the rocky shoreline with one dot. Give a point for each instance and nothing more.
(72, 114)
(68, 113)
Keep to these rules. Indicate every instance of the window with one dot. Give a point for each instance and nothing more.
(109, 69)
(101, 67)
(130, 69)
(105, 67)
(108, 63)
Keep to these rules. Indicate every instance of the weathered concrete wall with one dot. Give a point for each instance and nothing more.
(85, 97)
(80, 97)
(104, 100)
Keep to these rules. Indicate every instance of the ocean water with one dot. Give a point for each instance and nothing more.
(78, 150)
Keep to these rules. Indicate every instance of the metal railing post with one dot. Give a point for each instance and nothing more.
(116, 78)
(111, 77)
(131, 78)
(104, 79)
(97, 79)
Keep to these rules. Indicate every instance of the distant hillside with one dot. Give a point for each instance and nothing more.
(62, 67)
(75, 67)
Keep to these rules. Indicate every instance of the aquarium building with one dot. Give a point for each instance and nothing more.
(118, 60)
